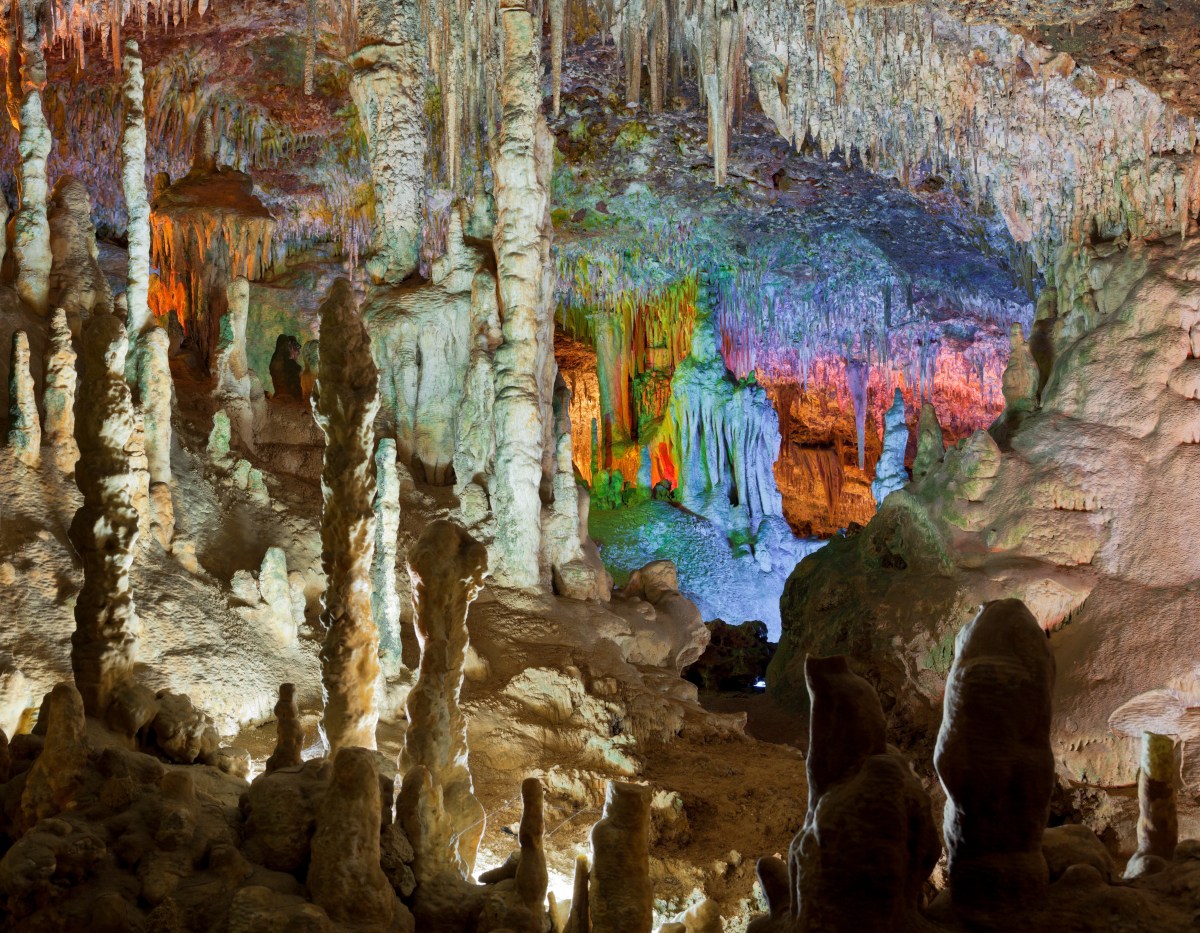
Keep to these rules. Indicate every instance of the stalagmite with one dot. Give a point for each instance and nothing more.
(31, 231)
(1021, 376)
(310, 46)
(557, 16)
(1158, 820)
(59, 397)
(518, 238)
(345, 877)
(532, 877)
(388, 87)
(77, 284)
(620, 897)
(345, 401)
(133, 183)
(155, 390)
(994, 760)
(234, 384)
(437, 803)
(289, 733)
(105, 528)
(24, 427)
(59, 772)
(930, 446)
(571, 575)
(890, 474)
(385, 601)
(579, 920)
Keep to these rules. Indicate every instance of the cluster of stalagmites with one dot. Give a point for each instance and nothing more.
(864, 857)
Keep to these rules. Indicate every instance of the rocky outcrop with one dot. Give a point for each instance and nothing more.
(890, 473)
(437, 806)
(59, 396)
(24, 426)
(388, 86)
(994, 760)
(105, 528)
(133, 185)
(345, 400)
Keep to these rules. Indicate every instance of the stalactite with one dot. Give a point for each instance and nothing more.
(557, 15)
(133, 182)
(345, 401)
(105, 529)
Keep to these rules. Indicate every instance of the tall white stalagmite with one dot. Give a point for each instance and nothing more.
(385, 601)
(345, 401)
(24, 428)
(155, 394)
(59, 396)
(518, 238)
(133, 182)
(105, 528)
(388, 87)
(31, 235)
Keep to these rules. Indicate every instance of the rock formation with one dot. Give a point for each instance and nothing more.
(76, 282)
(388, 86)
(133, 184)
(890, 473)
(105, 528)
(31, 231)
(385, 600)
(156, 396)
(59, 397)
(437, 805)
(344, 877)
(289, 734)
(24, 426)
(1158, 820)
(930, 445)
(619, 896)
(233, 377)
(60, 770)
(994, 760)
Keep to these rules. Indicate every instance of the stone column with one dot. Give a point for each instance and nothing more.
(24, 427)
(437, 805)
(1158, 819)
(156, 391)
(31, 236)
(345, 401)
(620, 896)
(233, 387)
(388, 86)
(59, 396)
(520, 210)
(105, 529)
(385, 601)
(133, 182)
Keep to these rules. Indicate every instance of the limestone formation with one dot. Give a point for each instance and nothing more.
(1158, 821)
(1021, 376)
(890, 473)
(105, 528)
(531, 875)
(520, 240)
(133, 184)
(285, 368)
(994, 760)
(345, 877)
(868, 842)
(385, 601)
(579, 920)
(156, 396)
(388, 86)
(233, 378)
(572, 575)
(31, 231)
(437, 805)
(619, 895)
(289, 734)
(930, 445)
(345, 400)
(24, 426)
(76, 282)
(59, 397)
(270, 602)
(56, 776)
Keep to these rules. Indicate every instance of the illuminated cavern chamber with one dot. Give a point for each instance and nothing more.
(356, 347)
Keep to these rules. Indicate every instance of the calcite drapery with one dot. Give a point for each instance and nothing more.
(133, 182)
(994, 759)
(437, 804)
(105, 529)
(521, 241)
(59, 396)
(31, 231)
(24, 426)
(345, 400)
(388, 86)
